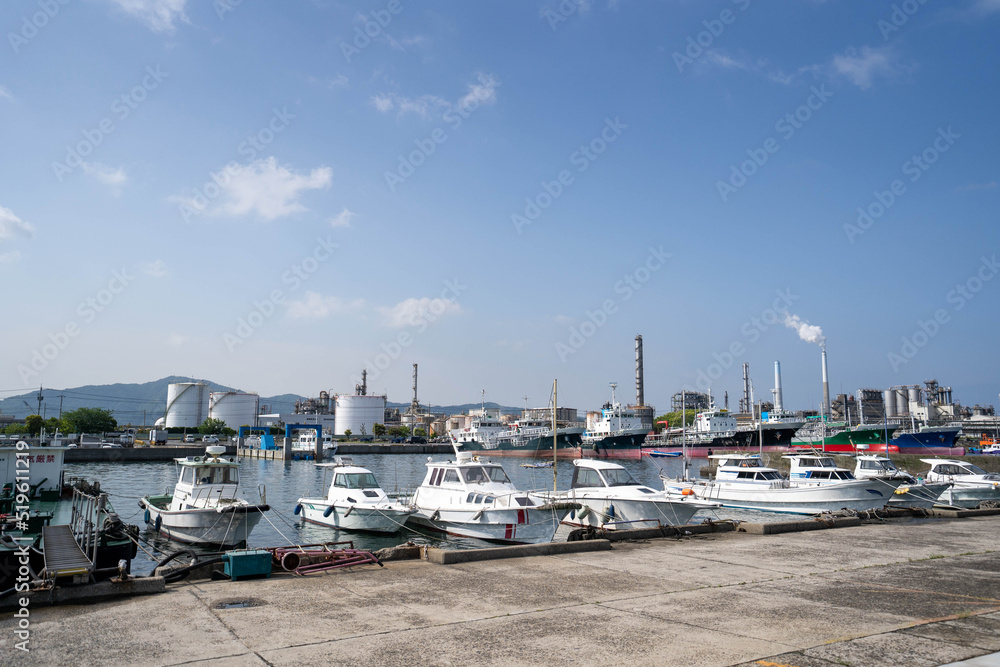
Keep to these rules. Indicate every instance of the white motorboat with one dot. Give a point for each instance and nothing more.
(910, 493)
(306, 442)
(354, 501)
(742, 481)
(203, 508)
(971, 484)
(613, 499)
(472, 497)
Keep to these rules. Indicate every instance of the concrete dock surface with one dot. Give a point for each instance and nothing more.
(908, 592)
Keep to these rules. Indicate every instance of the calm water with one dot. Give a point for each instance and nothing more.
(284, 482)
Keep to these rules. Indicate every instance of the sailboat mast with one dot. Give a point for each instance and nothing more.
(684, 445)
(555, 459)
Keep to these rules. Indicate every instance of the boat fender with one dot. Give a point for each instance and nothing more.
(146, 516)
(348, 512)
(477, 516)
(328, 511)
(902, 490)
(611, 511)
(298, 508)
(687, 492)
(436, 515)
(159, 522)
(584, 512)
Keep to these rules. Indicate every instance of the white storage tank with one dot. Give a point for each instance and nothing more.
(236, 408)
(358, 413)
(889, 401)
(187, 404)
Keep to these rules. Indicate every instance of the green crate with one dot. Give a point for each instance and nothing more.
(245, 563)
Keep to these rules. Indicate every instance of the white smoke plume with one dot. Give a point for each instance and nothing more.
(810, 333)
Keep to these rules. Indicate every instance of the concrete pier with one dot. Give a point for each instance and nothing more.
(914, 591)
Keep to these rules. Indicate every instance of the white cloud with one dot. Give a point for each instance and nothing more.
(383, 103)
(342, 219)
(315, 306)
(5, 93)
(484, 92)
(412, 311)
(12, 227)
(158, 15)
(8, 257)
(862, 66)
(105, 174)
(972, 187)
(156, 268)
(263, 187)
(177, 339)
(759, 66)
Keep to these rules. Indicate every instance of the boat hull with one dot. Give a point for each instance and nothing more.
(860, 495)
(969, 496)
(919, 496)
(936, 438)
(226, 528)
(358, 518)
(523, 525)
(625, 514)
(568, 445)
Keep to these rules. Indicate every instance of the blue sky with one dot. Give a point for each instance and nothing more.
(264, 195)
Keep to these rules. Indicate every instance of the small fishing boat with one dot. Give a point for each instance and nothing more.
(203, 508)
(546, 464)
(355, 501)
(472, 497)
(910, 493)
(971, 484)
(656, 453)
(817, 486)
(613, 499)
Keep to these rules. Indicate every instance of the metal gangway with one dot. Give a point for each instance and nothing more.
(71, 549)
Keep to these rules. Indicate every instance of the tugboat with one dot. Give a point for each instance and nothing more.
(203, 508)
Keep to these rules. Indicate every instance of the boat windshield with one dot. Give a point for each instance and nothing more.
(483, 474)
(619, 477)
(355, 480)
(973, 469)
(216, 475)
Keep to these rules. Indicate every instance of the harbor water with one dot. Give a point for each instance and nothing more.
(282, 483)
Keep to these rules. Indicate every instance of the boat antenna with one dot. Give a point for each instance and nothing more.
(555, 459)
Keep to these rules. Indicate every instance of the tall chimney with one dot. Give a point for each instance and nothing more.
(778, 406)
(639, 399)
(826, 386)
(415, 406)
(745, 405)
(364, 382)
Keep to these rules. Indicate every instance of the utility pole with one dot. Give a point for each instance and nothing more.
(39, 400)
(60, 406)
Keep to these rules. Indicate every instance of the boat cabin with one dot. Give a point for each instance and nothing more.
(946, 470)
(745, 468)
(715, 422)
(872, 465)
(348, 478)
(469, 480)
(816, 469)
(205, 480)
(589, 473)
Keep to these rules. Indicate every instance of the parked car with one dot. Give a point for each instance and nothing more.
(417, 440)
(2, 436)
(210, 440)
(188, 438)
(111, 445)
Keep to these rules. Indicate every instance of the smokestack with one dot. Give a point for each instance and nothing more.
(826, 386)
(364, 382)
(778, 407)
(745, 402)
(639, 399)
(414, 407)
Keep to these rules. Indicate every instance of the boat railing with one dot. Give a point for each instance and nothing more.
(86, 520)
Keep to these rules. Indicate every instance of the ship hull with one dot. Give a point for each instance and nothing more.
(568, 445)
(925, 440)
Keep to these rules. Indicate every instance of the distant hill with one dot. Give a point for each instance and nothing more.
(131, 402)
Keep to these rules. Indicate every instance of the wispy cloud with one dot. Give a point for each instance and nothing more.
(158, 15)
(9, 257)
(176, 339)
(12, 227)
(156, 268)
(759, 66)
(263, 187)
(973, 187)
(342, 219)
(315, 306)
(107, 175)
(862, 66)
(482, 92)
(5, 93)
(412, 311)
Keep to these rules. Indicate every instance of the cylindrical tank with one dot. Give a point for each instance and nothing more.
(187, 404)
(235, 408)
(358, 413)
(914, 394)
(902, 407)
(889, 400)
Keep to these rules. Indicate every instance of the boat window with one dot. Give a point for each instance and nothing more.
(584, 477)
(808, 463)
(619, 477)
(643, 489)
(870, 465)
(356, 480)
(497, 474)
(843, 474)
(523, 501)
(187, 476)
(974, 469)
(435, 477)
(819, 474)
(471, 498)
(474, 475)
(768, 475)
(450, 476)
(744, 474)
(827, 463)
